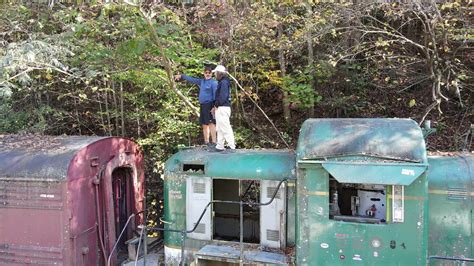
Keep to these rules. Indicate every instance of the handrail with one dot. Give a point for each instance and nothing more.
(118, 239)
(241, 203)
(451, 258)
(120, 236)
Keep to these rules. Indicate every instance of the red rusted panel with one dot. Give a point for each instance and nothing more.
(81, 175)
(52, 219)
(32, 222)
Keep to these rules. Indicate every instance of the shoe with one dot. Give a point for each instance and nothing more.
(214, 149)
(229, 151)
(211, 145)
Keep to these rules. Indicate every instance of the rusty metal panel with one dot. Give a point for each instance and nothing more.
(30, 255)
(28, 194)
(399, 139)
(33, 222)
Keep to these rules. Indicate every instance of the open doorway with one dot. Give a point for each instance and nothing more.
(227, 216)
(123, 198)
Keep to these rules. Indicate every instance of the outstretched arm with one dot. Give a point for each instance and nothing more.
(190, 79)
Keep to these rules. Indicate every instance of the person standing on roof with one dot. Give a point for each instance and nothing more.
(207, 91)
(222, 110)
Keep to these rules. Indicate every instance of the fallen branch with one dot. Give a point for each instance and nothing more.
(167, 64)
(261, 110)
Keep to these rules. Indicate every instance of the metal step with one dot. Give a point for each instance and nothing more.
(231, 255)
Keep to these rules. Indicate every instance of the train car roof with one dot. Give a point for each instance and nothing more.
(389, 138)
(243, 164)
(39, 157)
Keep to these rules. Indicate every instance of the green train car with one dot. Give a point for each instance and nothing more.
(356, 191)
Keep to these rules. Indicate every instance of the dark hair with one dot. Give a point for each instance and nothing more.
(208, 68)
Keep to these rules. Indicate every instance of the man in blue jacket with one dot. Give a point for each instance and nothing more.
(207, 90)
(222, 111)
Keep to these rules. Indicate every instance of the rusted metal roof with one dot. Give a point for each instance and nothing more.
(385, 138)
(39, 157)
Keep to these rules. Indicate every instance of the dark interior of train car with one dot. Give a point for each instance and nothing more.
(226, 216)
(122, 188)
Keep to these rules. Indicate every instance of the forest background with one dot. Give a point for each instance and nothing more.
(105, 68)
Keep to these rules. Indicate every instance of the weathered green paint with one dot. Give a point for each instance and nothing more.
(387, 138)
(322, 241)
(451, 181)
(244, 165)
(291, 214)
(174, 211)
(363, 151)
(374, 173)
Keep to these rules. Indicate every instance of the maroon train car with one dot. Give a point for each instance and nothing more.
(64, 200)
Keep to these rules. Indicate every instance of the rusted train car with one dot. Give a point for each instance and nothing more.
(65, 200)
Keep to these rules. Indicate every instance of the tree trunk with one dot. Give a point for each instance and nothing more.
(114, 97)
(167, 64)
(107, 112)
(309, 41)
(121, 109)
(281, 60)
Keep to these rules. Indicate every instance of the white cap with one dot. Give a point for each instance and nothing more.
(220, 68)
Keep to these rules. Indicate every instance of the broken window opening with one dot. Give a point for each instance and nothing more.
(227, 216)
(360, 203)
(188, 167)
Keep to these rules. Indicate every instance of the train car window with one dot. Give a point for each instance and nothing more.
(398, 194)
(193, 168)
(361, 203)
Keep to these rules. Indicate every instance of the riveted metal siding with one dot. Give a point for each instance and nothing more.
(33, 227)
(451, 206)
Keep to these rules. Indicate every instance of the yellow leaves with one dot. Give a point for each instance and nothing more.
(274, 77)
(83, 96)
(48, 76)
(411, 103)
(450, 5)
(321, 21)
(381, 42)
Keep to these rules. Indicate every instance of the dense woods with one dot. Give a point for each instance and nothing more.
(105, 68)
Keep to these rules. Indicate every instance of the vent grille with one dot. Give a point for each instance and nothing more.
(271, 191)
(199, 188)
(457, 194)
(273, 235)
(200, 229)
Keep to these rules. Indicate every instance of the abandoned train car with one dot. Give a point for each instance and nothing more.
(355, 191)
(64, 200)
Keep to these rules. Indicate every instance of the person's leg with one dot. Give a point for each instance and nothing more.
(219, 126)
(227, 128)
(205, 120)
(212, 129)
(205, 133)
